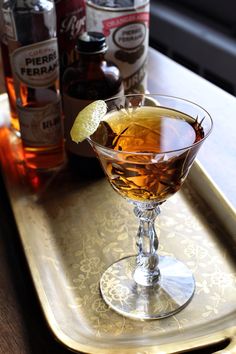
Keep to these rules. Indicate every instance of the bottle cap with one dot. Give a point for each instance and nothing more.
(92, 42)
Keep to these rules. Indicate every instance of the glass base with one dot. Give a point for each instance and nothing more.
(172, 293)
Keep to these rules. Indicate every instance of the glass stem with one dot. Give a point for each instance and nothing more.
(147, 272)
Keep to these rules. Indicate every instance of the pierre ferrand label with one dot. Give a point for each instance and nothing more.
(36, 65)
(41, 126)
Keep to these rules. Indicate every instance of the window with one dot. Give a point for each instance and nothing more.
(200, 35)
(219, 11)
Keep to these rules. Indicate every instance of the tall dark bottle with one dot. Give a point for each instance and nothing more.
(70, 25)
(90, 78)
(31, 32)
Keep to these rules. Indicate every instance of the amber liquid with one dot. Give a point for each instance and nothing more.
(9, 86)
(44, 157)
(163, 137)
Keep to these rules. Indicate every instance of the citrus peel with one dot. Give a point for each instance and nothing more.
(87, 121)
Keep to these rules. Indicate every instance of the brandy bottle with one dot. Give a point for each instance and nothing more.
(31, 33)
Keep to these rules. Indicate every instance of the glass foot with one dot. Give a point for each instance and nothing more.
(173, 292)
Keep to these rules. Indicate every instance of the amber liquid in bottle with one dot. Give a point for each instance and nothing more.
(156, 133)
(9, 86)
(44, 155)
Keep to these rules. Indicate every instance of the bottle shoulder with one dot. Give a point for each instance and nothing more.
(93, 88)
(27, 6)
(90, 70)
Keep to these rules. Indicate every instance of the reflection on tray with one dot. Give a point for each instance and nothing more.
(12, 158)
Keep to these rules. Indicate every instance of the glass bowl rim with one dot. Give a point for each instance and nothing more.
(124, 152)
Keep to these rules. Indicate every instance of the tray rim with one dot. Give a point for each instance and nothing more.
(214, 197)
(190, 344)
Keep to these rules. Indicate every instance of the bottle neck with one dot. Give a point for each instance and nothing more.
(95, 57)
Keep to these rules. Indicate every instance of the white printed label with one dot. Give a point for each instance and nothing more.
(127, 35)
(41, 126)
(36, 65)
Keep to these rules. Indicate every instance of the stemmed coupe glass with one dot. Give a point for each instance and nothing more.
(146, 145)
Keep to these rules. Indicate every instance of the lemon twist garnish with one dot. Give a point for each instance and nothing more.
(87, 121)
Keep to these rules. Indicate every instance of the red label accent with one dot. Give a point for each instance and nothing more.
(123, 20)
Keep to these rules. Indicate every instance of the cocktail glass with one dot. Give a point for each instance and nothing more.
(146, 145)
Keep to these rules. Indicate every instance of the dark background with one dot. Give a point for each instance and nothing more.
(199, 34)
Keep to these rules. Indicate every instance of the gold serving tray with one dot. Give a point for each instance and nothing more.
(72, 229)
